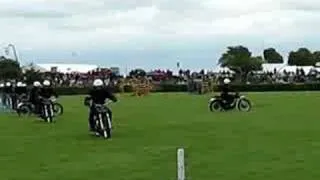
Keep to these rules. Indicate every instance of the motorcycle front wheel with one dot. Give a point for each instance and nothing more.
(244, 105)
(215, 106)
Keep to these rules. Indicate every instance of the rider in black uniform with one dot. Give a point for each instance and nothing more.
(47, 91)
(21, 88)
(35, 96)
(2, 93)
(98, 95)
(9, 91)
(226, 93)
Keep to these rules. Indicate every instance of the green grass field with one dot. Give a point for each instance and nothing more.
(278, 140)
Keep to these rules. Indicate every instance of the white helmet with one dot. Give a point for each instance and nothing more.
(19, 84)
(1, 85)
(36, 84)
(226, 81)
(46, 83)
(97, 82)
(8, 84)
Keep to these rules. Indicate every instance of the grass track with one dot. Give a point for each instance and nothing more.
(279, 139)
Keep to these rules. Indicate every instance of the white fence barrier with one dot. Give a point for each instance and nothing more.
(180, 164)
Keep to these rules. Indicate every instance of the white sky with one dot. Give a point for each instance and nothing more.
(43, 25)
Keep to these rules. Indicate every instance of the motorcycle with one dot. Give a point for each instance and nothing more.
(102, 118)
(240, 102)
(57, 107)
(47, 110)
(24, 106)
(27, 108)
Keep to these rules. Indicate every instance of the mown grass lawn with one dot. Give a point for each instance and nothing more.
(278, 140)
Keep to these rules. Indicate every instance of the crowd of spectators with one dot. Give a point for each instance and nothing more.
(183, 77)
(285, 77)
(74, 79)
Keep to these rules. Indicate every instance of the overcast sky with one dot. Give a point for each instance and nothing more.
(154, 33)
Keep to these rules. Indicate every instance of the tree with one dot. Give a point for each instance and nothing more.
(301, 57)
(316, 56)
(9, 69)
(32, 75)
(239, 59)
(272, 56)
(137, 72)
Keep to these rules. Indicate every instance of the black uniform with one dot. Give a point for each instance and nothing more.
(8, 89)
(2, 94)
(226, 95)
(35, 99)
(98, 96)
(9, 92)
(47, 92)
(21, 90)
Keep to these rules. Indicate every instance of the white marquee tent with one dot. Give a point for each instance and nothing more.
(68, 68)
(222, 69)
(293, 69)
(271, 67)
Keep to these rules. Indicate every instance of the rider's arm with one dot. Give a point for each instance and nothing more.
(54, 93)
(90, 94)
(40, 93)
(232, 90)
(88, 98)
(111, 96)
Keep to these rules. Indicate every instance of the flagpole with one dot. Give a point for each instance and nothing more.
(14, 51)
(178, 64)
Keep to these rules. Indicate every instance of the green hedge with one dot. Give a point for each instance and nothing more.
(275, 87)
(71, 91)
(184, 88)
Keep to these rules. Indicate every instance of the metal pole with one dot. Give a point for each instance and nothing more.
(180, 164)
(14, 51)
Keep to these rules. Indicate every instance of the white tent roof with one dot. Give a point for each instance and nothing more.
(293, 69)
(69, 68)
(270, 67)
(221, 69)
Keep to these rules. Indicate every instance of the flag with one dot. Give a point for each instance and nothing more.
(178, 64)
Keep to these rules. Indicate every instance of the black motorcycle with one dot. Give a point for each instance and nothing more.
(103, 124)
(25, 107)
(47, 110)
(57, 107)
(240, 102)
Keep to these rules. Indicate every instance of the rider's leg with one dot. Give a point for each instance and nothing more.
(231, 98)
(224, 101)
(14, 102)
(110, 113)
(110, 116)
(38, 107)
(91, 119)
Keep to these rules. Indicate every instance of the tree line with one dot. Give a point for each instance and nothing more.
(238, 58)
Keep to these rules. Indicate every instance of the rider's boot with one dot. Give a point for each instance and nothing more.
(108, 134)
(92, 128)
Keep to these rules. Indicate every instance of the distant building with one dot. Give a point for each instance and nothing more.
(67, 68)
(115, 70)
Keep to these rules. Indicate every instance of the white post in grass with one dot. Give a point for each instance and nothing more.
(180, 164)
